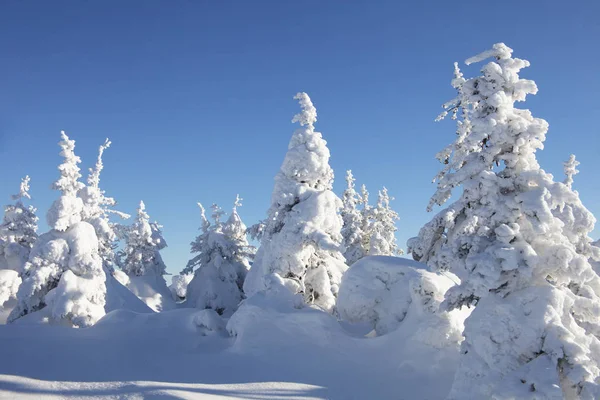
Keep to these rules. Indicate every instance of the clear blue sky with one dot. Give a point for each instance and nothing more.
(196, 96)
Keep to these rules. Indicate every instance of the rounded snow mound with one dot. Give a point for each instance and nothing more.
(390, 292)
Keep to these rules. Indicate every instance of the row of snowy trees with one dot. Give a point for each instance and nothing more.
(518, 240)
(308, 240)
(367, 230)
(66, 271)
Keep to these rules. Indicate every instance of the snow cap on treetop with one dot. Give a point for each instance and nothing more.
(308, 115)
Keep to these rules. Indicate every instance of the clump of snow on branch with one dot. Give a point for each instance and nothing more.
(301, 240)
(520, 244)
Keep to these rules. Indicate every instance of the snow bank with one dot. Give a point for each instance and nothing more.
(152, 290)
(389, 292)
(179, 285)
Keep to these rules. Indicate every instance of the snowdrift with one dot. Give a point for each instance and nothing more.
(273, 347)
(390, 292)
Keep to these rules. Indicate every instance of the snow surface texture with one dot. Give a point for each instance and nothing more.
(384, 293)
(519, 242)
(302, 238)
(281, 349)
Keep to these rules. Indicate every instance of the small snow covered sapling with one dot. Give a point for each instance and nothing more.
(352, 219)
(18, 230)
(301, 240)
(222, 262)
(143, 242)
(534, 329)
(382, 227)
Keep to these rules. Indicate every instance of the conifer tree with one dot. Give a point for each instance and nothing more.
(144, 241)
(222, 263)
(18, 230)
(535, 327)
(97, 207)
(383, 227)
(301, 240)
(352, 219)
(63, 277)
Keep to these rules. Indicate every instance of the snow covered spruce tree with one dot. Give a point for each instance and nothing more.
(64, 278)
(352, 218)
(18, 230)
(222, 262)
(97, 208)
(301, 240)
(143, 264)
(366, 217)
(382, 228)
(535, 328)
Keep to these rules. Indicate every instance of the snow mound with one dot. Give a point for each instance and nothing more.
(179, 285)
(389, 292)
(152, 290)
(118, 297)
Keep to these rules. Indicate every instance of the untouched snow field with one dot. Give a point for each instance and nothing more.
(277, 351)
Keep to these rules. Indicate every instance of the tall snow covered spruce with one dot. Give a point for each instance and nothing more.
(535, 329)
(352, 219)
(64, 278)
(97, 208)
(222, 263)
(18, 230)
(301, 240)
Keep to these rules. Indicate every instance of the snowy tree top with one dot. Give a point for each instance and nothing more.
(570, 168)
(308, 115)
(24, 190)
(205, 222)
(68, 183)
(491, 131)
(94, 177)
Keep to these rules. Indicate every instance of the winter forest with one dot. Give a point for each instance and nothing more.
(497, 296)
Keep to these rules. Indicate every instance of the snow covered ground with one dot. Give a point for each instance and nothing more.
(276, 352)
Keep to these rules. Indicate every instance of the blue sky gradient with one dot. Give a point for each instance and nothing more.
(196, 96)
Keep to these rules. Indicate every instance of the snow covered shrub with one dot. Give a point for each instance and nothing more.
(519, 242)
(143, 264)
(17, 231)
(97, 208)
(64, 275)
(222, 263)
(301, 240)
(386, 291)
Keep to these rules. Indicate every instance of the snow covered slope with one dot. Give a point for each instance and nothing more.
(278, 352)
